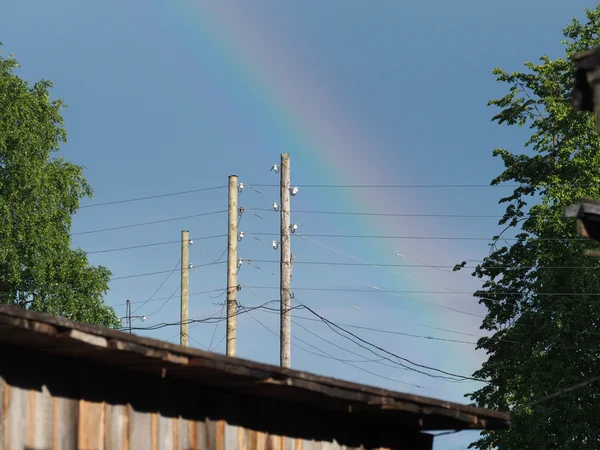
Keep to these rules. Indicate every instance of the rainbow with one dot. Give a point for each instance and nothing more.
(323, 140)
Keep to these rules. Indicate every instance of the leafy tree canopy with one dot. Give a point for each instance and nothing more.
(541, 292)
(39, 194)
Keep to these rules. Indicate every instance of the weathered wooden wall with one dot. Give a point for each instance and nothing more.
(33, 420)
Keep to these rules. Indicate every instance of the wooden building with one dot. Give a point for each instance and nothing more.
(66, 385)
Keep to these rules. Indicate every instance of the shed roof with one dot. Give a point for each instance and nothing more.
(52, 338)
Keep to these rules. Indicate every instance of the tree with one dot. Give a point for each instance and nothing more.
(540, 291)
(39, 194)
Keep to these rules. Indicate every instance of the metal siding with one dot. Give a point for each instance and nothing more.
(183, 433)
(202, 434)
(140, 435)
(17, 426)
(230, 437)
(67, 420)
(3, 402)
(91, 425)
(36, 420)
(165, 433)
(116, 427)
(211, 435)
(43, 419)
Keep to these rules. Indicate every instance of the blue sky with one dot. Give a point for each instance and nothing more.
(173, 96)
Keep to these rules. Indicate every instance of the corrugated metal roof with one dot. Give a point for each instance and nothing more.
(53, 337)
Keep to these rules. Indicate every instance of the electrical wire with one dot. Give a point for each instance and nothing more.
(208, 319)
(400, 186)
(151, 197)
(334, 326)
(154, 244)
(239, 219)
(216, 326)
(162, 271)
(199, 344)
(336, 263)
(375, 214)
(422, 238)
(449, 374)
(387, 186)
(222, 290)
(562, 391)
(154, 222)
(160, 286)
(568, 294)
(433, 338)
(166, 301)
(326, 355)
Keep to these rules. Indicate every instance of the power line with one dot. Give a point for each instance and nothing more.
(425, 238)
(215, 330)
(166, 301)
(335, 263)
(160, 286)
(402, 321)
(402, 186)
(433, 338)
(151, 197)
(389, 186)
(162, 271)
(401, 294)
(334, 326)
(209, 319)
(562, 391)
(154, 222)
(222, 290)
(385, 351)
(569, 294)
(154, 244)
(391, 271)
(331, 357)
(374, 214)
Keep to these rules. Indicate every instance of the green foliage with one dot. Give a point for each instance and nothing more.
(38, 196)
(545, 339)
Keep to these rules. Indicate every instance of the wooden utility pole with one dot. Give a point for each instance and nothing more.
(128, 308)
(232, 258)
(185, 284)
(285, 264)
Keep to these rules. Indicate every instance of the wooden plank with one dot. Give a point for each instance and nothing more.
(165, 433)
(17, 428)
(139, 430)
(43, 419)
(67, 419)
(87, 338)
